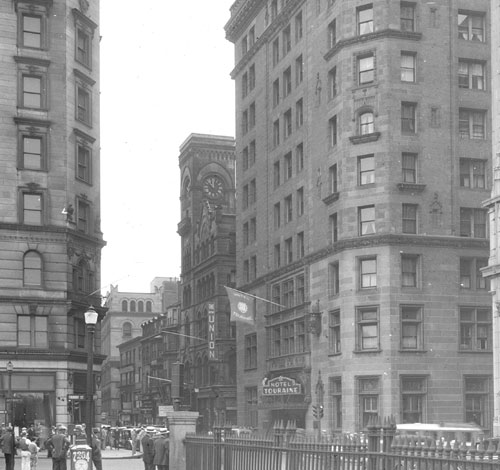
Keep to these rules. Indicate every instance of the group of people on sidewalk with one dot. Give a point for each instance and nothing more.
(155, 449)
(26, 447)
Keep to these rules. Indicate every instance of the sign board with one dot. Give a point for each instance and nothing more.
(76, 397)
(211, 332)
(281, 386)
(164, 409)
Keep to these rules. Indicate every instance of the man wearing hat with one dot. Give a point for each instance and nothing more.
(8, 446)
(58, 445)
(23, 445)
(161, 447)
(96, 449)
(148, 450)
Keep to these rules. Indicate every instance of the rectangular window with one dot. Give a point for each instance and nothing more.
(276, 174)
(287, 82)
(251, 153)
(334, 342)
(251, 37)
(33, 92)
(299, 113)
(83, 47)
(244, 121)
(301, 290)
(33, 155)
(288, 209)
(411, 327)
(366, 217)
(409, 270)
(336, 402)
(245, 234)
(299, 70)
(277, 256)
(32, 213)
(253, 268)
(471, 74)
(84, 158)
(299, 157)
(366, 69)
(252, 192)
(300, 246)
(409, 215)
(413, 396)
(274, 9)
(251, 77)
(333, 179)
(365, 19)
(466, 273)
(276, 133)
(288, 293)
(367, 328)
(473, 223)
(368, 273)
(332, 131)
(244, 202)
(332, 83)
(408, 118)
(251, 351)
(31, 26)
(407, 67)
(366, 166)
(244, 45)
(276, 51)
(287, 123)
(481, 282)
(471, 26)
(83, 112)
(288, 250)
(287, 40)
(332, 34)
(368, 395)
(333, 225)
(32, 331)
(252, 236)
(277, 216)
(244, 158)
(79, 330)
(472, 173)
(475, 329)
(300, 202)
(477, 392)
(276, 92)
(83, 216)
(471, 124)
(252, 407)
(333, 279)
(409, 167)
(407, 16)
(298, 27)
(251, 116)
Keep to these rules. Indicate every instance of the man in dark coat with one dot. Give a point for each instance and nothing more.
(161, 451)
(96, 450)
(8, 446)
(148, 450)
(58, 444)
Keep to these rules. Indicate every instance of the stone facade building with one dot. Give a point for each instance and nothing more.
(363, 152)
(50, 234)
(207, 230)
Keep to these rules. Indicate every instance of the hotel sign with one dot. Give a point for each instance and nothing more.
(211, 332)
(281, 386)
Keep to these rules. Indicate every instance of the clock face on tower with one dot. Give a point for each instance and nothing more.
(213, 186)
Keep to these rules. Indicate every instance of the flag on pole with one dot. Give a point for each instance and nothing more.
(242, 306)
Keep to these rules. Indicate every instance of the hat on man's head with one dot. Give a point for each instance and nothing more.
(150, 429)
(62, 428)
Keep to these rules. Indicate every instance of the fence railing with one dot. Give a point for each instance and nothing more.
(287, 448)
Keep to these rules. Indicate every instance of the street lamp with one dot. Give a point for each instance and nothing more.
(90, 320)
(10, 368)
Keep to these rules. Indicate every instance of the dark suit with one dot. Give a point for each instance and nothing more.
(148, 452)
(161, 453)
(8, 446)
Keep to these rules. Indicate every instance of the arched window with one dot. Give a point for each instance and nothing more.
(149, 306)
(366, 123)
(83, 277)
(140, 306)
(127, 330)
(132, 305)
(124, 306)
(32, 269)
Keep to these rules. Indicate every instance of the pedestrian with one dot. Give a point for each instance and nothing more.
(33, 448)
(96, 449)
(59, 445)
(133, 437)
(22, 445)
(140, 436)
(148, 450)
(8, 446)
(103, 437)
(161, 446)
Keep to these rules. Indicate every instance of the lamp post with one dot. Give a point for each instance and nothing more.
(90, 321)
(10, 368)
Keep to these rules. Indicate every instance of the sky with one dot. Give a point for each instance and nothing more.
(164, 75)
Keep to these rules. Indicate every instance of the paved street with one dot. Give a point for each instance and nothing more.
(107, 464)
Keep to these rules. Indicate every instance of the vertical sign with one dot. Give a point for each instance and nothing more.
(211, 332)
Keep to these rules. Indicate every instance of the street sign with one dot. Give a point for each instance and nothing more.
(76, 397)
(164, 409)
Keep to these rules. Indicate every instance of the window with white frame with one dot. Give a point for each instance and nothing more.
(32, 269)
(365, 19)
(475, 329)
(472, 173)
(366, 123)
(409, 218)
(408, 61)
(32, 331)
(409, 167)
(32, 208)
(472, 123)
(367, 321)
(368, 273)
(33, 145)
(471, 74)
(366, 69)
(409, 270)
(334, 338)
(368, 396)
(366, 217)
(471, 26)
(412, 323)
(366, 169)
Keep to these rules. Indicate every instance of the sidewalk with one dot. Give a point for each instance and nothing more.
(107, 454)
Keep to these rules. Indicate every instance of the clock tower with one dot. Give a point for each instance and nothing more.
(208, 240)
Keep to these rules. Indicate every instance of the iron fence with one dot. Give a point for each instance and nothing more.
(379, 448)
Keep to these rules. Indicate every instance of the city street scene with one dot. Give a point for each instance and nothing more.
(250, 234)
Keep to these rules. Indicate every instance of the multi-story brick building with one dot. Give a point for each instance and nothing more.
(207, 230)
(363, 156)
(126, 313)
(50, 235)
